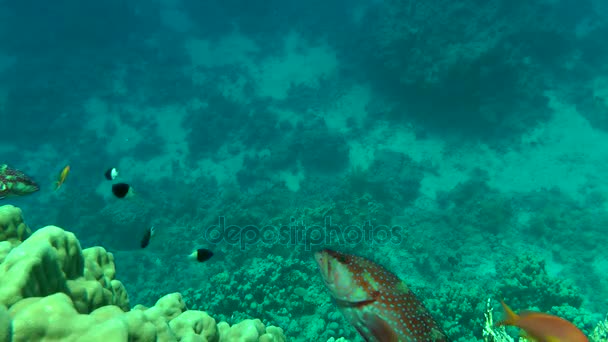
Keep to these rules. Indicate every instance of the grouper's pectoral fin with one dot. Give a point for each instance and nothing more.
(378, 330)
(348, 304)
(370, 326)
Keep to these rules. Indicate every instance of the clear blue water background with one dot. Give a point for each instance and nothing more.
(479, 128)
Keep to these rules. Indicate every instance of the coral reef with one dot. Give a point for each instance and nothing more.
(475, 204)
(392, 178)
(600, 333)
(301, 308)
(444, 78)
(51, 289)
(525, 282)
(458, 305)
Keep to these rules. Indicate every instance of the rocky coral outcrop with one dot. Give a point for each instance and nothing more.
(53, 290)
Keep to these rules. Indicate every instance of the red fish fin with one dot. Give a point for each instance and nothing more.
(347, 304)
(527, 312)
(379, 329)
(511, 318)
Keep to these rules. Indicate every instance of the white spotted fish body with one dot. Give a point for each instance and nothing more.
(375, 301)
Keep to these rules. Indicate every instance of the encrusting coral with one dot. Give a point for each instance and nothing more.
(52, 290)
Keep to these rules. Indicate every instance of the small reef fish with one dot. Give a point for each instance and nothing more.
(375, 301)
(542, 327)
(121, 190)
(62, 177)
(15, 183)
(201, 255)
(111, 174)
(145, 240)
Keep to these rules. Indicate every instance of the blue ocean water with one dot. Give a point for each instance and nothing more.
(460, 144)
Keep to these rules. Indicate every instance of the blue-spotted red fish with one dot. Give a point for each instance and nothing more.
(62, 177)
(375, 301)
(543, 327)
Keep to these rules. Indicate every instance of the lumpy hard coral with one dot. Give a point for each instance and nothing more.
(12, 228)
(52, 290)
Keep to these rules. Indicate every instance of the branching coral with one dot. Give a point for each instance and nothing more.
(458, 306)
(525, 283)
(600, 333)
(491, 333)
(277, 290)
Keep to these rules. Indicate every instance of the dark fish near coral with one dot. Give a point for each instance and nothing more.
(145, 240)
(15, 183)
(121, 190)
(111, 174)
(201, 255)
(375, 301)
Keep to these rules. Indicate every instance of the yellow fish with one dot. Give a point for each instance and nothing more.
(62, 176)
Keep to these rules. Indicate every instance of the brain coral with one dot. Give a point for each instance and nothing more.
(52, 290)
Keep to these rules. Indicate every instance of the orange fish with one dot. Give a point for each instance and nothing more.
(375, 301)
(543, 327)
(62, 176)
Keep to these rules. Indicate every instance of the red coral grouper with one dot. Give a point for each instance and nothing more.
(375, 301)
